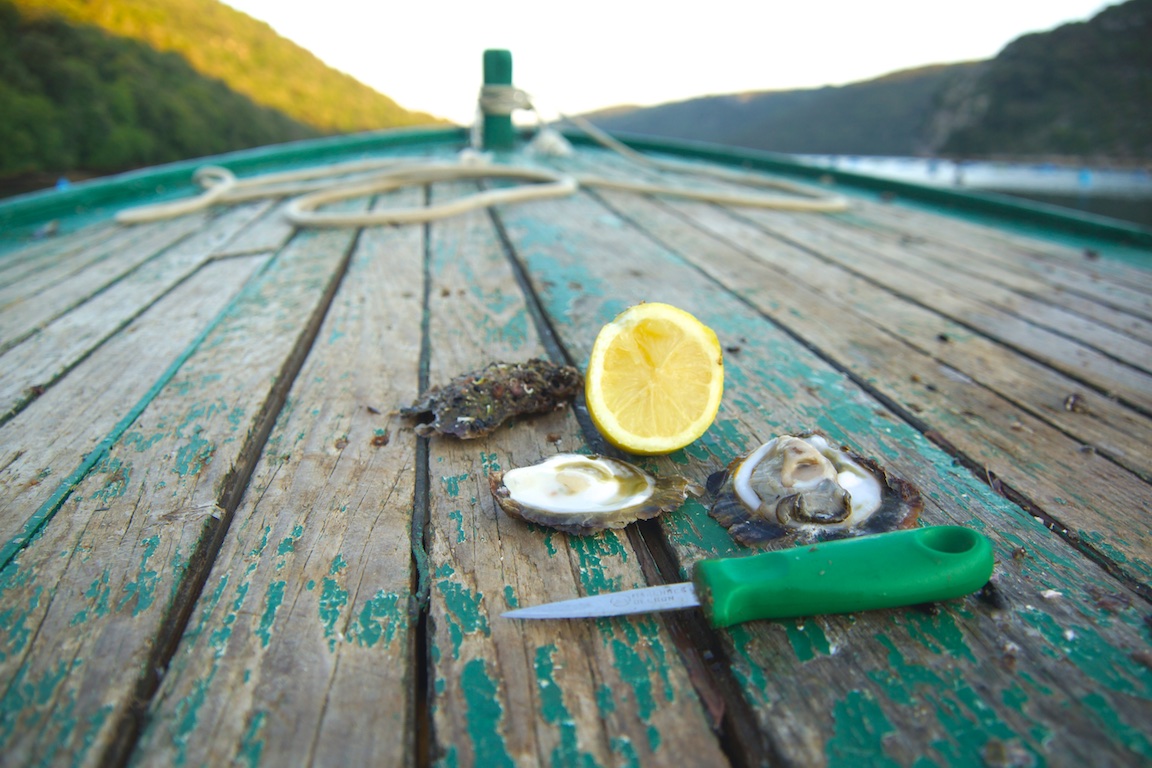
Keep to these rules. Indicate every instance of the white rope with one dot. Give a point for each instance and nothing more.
(301, 211)
(361, 178)
(503, 99)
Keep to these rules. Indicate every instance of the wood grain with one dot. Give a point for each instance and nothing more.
(36, 299)
(35, 364)
(308, 601)
(46, 446)
(143, 519)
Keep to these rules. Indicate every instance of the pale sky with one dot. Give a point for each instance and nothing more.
(572, 58)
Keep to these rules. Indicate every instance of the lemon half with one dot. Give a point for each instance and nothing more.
(654, 380)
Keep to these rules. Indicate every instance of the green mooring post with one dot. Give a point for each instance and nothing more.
(498, 133)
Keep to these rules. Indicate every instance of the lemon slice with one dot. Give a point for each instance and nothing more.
(654, 380)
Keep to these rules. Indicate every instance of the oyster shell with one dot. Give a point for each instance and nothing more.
(476, 403)
(582, 494)
(803, 487)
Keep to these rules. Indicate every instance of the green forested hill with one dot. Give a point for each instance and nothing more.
(881, 117)
(1083, 90)
(75, 98)
(247, 54)
(94, 86)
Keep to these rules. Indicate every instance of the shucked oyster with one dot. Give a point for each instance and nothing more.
(805, 487)
(475, 403)
(584, 494)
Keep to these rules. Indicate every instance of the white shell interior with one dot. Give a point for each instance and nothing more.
(570, 482)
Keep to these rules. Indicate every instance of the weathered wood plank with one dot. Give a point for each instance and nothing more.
(268, 233)
(604, 692)
(1045, 677)
(33, 365)
(1106, 505)
(955, 271)
(1006, 267)
(1072, 357)
(45, 444)
(308, 601)
(30, 302)
(136, 530)
(36, 255)
(1119, 273)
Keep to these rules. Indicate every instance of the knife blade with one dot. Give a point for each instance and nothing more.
(885, 570)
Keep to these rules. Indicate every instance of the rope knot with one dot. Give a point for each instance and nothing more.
(503, 99)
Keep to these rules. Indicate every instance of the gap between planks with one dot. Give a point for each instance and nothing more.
(703, 656)
(120, 747)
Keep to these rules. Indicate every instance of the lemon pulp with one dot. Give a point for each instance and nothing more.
(655, 379)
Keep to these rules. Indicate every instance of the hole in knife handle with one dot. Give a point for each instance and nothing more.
(949, 539)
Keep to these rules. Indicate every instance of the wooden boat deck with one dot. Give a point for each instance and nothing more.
(222, 546)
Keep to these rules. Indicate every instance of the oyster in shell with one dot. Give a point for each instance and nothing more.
(803, 487)
(582, 494)
(476, 403)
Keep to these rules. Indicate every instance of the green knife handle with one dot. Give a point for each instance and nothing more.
(885, 570)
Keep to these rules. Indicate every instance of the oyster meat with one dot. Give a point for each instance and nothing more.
(476, 403)
(585, 494)
(803, 487)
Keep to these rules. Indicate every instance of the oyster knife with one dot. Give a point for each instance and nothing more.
(885, 570)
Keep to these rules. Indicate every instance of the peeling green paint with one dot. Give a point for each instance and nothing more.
(947, 694)
(452, 484)
(332, 599)
(693, 523)
(288, 543)
(382, 616)
(218, 640)
(634, 672)
(457, 517)
(98, 593)
(592, 552)
(1087, 649)
(485, 715)
(552, 708)
(138, 442)
(807, 638)
(462, 610)
(510, 597)
(450, 758)
(489, 463)
(272, 603)
(258, 550)
(119, 476)
(858, 729)
(187, 712)
(251, 745)
(604, 699)
(937, 631)
(143, 589)
(193, 456)
(622, 745)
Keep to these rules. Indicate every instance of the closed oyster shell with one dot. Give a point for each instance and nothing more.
(803, 488)
(475, 403)
(582, 494)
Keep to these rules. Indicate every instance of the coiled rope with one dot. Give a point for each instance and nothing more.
(318, 186)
